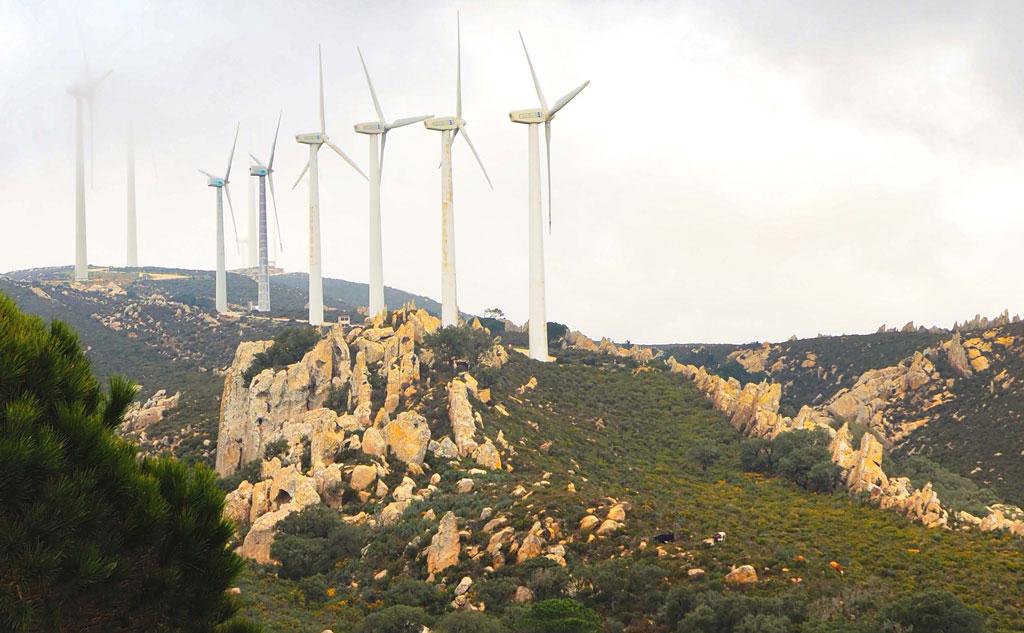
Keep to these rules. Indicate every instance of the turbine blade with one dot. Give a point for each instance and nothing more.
(458, 72)
(206, 173)
(536, 83)
(231, 208)
(480, 162)
(547, 140)
(81, 40)
(373, 93)
(323, 121)
(231, 157)
(273, 197)
(407, 121)
(299, 179)
(338, 151)
(273, 148)
(383, 142)
(256, 160)
(567, 98)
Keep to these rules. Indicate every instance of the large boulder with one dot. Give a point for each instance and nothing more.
(460, 413)
(407, 437)
(742, 575)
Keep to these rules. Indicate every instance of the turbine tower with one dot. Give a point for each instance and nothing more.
(132, 245)
(445, 125)
(252, 241)
(315, 140)
(84, 93)
(265, 173)
(222, 188)
(533, 118)
(379, 128)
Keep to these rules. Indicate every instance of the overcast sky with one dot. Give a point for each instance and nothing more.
(737, 170)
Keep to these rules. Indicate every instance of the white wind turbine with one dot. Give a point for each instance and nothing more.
(533, 118)
(265, 173)
(445, 125)
(132, 245)
(251, 240)
(379, 128)
(222, 188)
(84, 93)
(315, 140)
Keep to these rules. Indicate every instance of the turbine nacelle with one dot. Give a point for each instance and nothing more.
(259, 170)
(530, 116)
(214, 181)
(444, 123)
(312, 138)
(370, 128)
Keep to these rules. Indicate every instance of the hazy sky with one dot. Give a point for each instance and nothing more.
(736, 171)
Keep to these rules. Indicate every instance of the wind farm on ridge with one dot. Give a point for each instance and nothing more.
(257, 241)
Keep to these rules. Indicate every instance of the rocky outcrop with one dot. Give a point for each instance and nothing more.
(742, 575)
(444, 548)
(576, 340)
(141, 415)
(460, 413)
(957, 357)
(234, 409)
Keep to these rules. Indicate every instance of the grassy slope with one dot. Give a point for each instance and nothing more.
(651, 419)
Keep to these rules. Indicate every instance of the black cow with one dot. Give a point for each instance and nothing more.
(667, 537)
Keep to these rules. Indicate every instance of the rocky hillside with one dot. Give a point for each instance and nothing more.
(488, 489)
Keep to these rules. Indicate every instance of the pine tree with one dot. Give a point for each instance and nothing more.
(93, 538)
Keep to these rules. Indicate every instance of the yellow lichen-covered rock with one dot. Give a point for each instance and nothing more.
(979, 363)
(444, 548)
(589, 522)
(742, 575)
(407, 437)
(487, 456)
(531, 548)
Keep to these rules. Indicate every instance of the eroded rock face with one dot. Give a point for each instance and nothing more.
(488, 457)
(444, 548)
(957, 357)
(460, 413)
(253, 415)
(408, 436)
(141, 415)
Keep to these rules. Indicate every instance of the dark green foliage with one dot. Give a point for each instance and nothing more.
(251, 472)
(959, 493)
(560, 615)
(704, 453)
(306, 459)
(290, 345)
(396, 619)
(495, 326)
(277, 448)
(733, 369)
(91, 537)
(469, 622)
(801, 456)
(415, 593)
(337, 398)
(934, 612)
(312, 540)
(556, 331)
(764, 623)
(678, 602)
(453, 343)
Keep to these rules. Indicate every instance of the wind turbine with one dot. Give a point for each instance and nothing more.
(252, 241)
(533, 118)
(131, 235)
(445, 125)
(315, 140)
(222, 188)
(84, 93)
(379, 128)
(265, 173)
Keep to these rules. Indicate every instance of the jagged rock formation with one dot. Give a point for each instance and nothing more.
(754, 410)
(576, 340)
(141, 415)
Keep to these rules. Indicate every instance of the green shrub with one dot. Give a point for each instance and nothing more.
(453, 343)
(415, 593)
(290, 345)
(277, 448)
(934, 612)
(469, 622)
(251, 472)
(337, 398)
(705, 453)
(560, 615)
(396, 619)
(312, 540)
